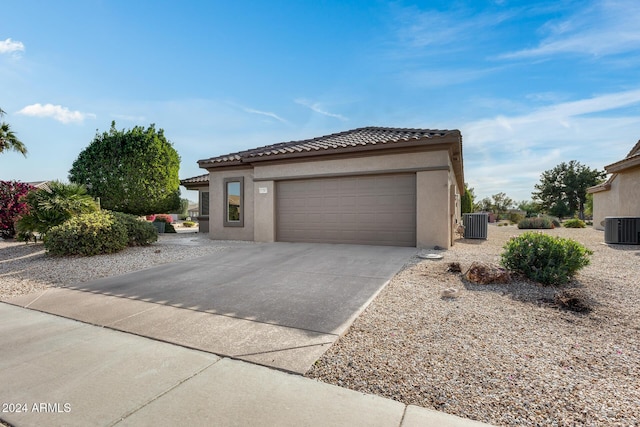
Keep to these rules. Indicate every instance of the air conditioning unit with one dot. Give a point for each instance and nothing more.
(624, 230)
(475, 225)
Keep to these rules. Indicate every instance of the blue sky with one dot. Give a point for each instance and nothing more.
(528, 83)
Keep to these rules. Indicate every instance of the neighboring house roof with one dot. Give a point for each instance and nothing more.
(630, 161)
(41, 185)
(360, 139)
(196, 181)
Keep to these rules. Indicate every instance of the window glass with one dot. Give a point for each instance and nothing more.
(204, 203)
(233, 201)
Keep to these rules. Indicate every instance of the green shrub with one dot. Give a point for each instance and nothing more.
(574, 223)
(515, 218)
(543, 258)
(189, 224)
(48, 208)
(140, 233)
(87, 235)
(535, 223)
(554, 220)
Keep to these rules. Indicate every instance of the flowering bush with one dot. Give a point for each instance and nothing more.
(151, 217)
(164, 218)
(12, 206)
(545, 259)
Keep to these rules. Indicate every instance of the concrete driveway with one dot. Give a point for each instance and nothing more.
(279, 304)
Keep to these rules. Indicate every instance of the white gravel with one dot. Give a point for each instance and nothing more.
(27, 268)
(501, 354)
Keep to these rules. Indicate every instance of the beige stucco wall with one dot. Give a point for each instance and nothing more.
(436, 210)
(217, 230)
(432, 206)
(265, 211)
(622, 199)
(365, 164)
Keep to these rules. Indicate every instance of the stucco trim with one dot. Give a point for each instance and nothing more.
(362, 173)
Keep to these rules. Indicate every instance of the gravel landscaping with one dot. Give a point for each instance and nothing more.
(26, 268)
(501, 354)
(504, 354)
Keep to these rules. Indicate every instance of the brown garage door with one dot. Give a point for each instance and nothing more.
(369, 210)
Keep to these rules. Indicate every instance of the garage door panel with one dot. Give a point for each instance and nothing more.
(378, 210)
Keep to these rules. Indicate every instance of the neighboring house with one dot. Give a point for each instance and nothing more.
(375, 186)
(41, 185)
(193, 210)
(620, 194)
(201, 184)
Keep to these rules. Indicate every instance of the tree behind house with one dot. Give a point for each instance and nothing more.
(133, 171)
(562, 191)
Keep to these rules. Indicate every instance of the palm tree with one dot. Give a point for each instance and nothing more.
(8, 139)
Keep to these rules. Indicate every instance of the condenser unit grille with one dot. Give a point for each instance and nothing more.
(475, 225)
(622, 230)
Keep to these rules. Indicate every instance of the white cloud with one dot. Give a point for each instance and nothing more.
(9, 46)
(57, 112)
(608, 27)
(508, 153)
(314, 106)
(264, 113)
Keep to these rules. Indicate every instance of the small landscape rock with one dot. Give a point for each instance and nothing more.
(485, 273)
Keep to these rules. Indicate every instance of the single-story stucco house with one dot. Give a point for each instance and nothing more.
(618, 196)
(373, 185)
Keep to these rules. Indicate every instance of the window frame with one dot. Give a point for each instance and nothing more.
(225, 210)
(204, 205)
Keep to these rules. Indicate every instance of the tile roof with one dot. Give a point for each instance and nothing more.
(195, 180)
(632, 160)
(361, 138)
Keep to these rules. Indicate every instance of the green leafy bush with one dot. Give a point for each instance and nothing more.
(48, 208)
(574, 223)
(140, 233)
(543, 258)
(535, 223)
(87, 235)
(189, 224)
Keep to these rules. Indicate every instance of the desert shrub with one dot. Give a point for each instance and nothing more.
(574, 223)
(555, 221)
(189, 224)
(87, 235)
(546, 259)
(166, 218)
(535, 223)
(515, 218)
(139, 232)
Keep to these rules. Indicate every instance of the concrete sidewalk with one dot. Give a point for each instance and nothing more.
(56, 371)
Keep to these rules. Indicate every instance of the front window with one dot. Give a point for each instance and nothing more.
(233, 202)
(204, 203)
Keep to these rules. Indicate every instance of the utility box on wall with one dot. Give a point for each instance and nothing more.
(475, 225)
